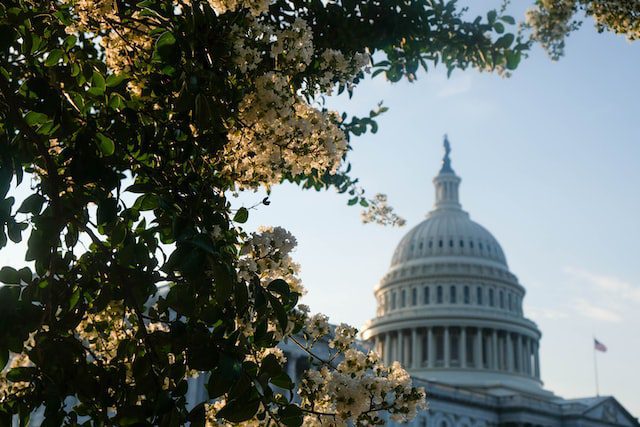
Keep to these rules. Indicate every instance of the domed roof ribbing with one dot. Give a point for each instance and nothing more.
(448, 231)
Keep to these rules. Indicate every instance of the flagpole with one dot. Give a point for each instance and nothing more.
(595, 367)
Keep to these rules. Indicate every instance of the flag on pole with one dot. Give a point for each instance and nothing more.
(599, 346)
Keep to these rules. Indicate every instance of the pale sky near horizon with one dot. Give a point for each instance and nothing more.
(549, 164)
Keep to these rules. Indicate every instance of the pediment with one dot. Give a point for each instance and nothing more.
(611, 411)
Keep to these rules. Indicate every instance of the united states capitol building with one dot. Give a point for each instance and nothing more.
(450, 311)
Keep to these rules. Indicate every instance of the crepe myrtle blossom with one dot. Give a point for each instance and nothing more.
(380, 212)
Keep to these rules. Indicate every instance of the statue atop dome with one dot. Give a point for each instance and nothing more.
(446, 161)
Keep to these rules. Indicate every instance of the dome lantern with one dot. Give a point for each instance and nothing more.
(447, 182)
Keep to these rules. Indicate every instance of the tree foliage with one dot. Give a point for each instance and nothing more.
(134, 121)
(551, 21)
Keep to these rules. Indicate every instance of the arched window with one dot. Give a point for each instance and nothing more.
(471, 244)
(439, 295)
(430, 244)
(403, 298)
(467, 295)
(452, 294)
(414, 296)
(501, 299)
(479, 295)
(393, 301)
(462, 243)
(451, 243)
(491, 301)
(440, 243)
(480, 245)
(426, 296)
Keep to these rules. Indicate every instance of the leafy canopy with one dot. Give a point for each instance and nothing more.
(134, 121)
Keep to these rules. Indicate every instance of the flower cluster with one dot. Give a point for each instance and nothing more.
(92, 15)
(317, 326)
(281, 134)
(267, 254)
(255, 7)
(337, 68)
(344, 337)
(380, 212)
(619, 16)
(358, 388)
(102, 332)
(552, 20)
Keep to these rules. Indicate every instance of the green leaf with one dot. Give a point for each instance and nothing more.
(114, 80)
(53, 58)
(9, 275)
(75, 297)
(15, 229)
(116, 101)
(166, 46)
(236, 411)
(280, 286)
(70, 42)
(241, 216)
(98, 84)
(291, 415)
(32, 204)
(513, 59)
(508, 19)
(491, 16)
(505, 41)
(147, 202)
(224, 376)
(107, 210)
(21, 374)
(34, 118)
(105, 144)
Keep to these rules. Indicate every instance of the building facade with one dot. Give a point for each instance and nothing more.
(451, 312)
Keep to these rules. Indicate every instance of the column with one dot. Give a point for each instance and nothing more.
(400, 354)
(462, 349)
(520, 357)
(536, 358)
(510, 357)
(387, 348)
(447, 346)
(478, 359)
(415, 347)
(430, 347)
(527, 352)
(494, 349)
(376, 344)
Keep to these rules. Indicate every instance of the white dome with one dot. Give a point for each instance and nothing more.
(446, 233)
(449, 309)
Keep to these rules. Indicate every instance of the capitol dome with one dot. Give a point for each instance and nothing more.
(449, 309)
(445, 234)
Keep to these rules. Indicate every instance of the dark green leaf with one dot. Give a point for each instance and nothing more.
(53, 58)
(241, 216)
(105, 144)
(9, 275)
(32, 204)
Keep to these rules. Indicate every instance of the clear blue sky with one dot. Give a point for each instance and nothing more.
(549, 161)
